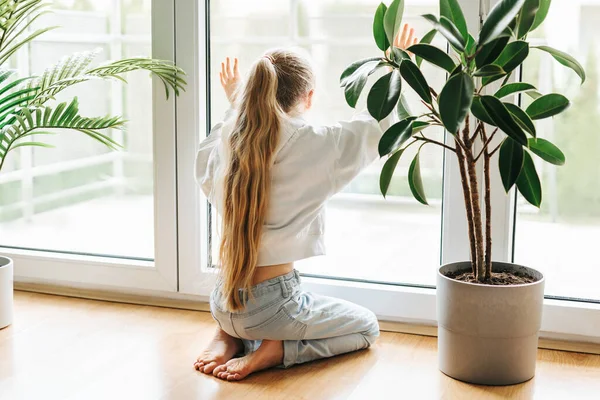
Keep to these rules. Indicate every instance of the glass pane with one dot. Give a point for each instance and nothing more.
(367, 237)
(562, 237)
(80, 197)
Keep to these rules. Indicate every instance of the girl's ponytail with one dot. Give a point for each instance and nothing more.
(275, 85)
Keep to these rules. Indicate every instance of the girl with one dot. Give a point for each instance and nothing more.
(269, 173)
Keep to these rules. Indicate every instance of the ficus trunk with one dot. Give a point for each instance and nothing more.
(480, 246)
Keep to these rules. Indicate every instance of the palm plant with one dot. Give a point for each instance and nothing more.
(26, 103)
(466, 106)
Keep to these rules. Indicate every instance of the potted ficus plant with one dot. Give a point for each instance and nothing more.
(489, 313)
(28, 109)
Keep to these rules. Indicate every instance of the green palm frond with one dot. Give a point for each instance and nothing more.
(37, 120)
(51, 80)
(16, 17)
(73, 69)
(13, 95)
(170, 74)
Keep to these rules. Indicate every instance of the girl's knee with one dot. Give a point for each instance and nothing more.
(372, 332)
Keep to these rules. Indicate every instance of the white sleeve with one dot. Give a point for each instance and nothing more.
(208, 157)
(356, 142)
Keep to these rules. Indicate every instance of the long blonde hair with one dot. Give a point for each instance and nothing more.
(277, 83)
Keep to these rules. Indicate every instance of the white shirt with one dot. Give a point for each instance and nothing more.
(312, 163)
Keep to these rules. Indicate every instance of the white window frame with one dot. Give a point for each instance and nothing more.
(181, 245)
(33, 266)
(562, 319)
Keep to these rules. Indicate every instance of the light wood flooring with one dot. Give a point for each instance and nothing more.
(67, 348)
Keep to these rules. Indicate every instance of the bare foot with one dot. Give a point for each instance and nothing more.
(221, 349)
(269, 354)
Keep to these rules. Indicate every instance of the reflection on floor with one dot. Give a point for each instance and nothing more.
(367, 237)
(73, 349)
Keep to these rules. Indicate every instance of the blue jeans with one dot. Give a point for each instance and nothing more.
(311, 326)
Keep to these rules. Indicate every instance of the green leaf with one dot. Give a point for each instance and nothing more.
(479, 111)
(387, 172)
(526, 17)
(498, 19)
(513, 55)
(489, 70)
(395, 136)
(565, 59)
(448, 30)
(541, 14)
(415, 182)
(355, 84)
(36, 144)
(378, 29)
(418, 126)
(402, 108)
(455, 100)
(503, 119)
(384, 95)
(451, 10)
(413, 76)
(427, 38)
(399, 55)
(433, 55)
(510, 162)
(393, 19)
(490, 51)
(512, 88)
(351, 69)
(547, 151)
(510, 58)
(528, 181)
(547, 106)
(521, 118)
(456, 70)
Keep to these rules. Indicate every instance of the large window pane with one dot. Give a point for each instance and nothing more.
(367, 237)
(81, 197)
(562, 237)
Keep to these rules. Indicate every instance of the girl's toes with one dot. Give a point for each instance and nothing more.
(233, 377)
(209, 367)
(218, 370)
(222, 375)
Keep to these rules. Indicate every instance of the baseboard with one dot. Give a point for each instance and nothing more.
(190, 303)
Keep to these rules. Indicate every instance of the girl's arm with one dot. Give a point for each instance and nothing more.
(208, 157)
(356, 141)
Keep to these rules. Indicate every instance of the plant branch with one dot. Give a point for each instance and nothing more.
(495, 150)
(427, 140)
(486, 143)
(468, 204)
(477, 130)
(433, 92)
(488, 206)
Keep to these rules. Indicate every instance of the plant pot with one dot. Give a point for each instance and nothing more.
(488, 334)
(6, 292)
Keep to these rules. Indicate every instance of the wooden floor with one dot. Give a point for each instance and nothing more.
(65, 348)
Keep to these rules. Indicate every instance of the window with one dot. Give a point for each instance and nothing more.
(135, 220)
(561, 238)
(79, 213)
(368, 237)
(80, 197)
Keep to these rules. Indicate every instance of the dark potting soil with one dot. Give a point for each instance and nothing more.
(497, 279)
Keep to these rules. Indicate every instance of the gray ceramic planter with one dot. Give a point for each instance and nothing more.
(488, 334)
(6, 291)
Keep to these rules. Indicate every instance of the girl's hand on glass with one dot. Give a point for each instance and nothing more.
(404, 39)
(230, 79)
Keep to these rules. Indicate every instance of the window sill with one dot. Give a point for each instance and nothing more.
(566, 325)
